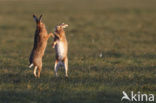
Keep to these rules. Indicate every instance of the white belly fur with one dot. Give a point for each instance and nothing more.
(60, 50)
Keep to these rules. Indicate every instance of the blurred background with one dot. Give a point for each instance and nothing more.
(112, 48)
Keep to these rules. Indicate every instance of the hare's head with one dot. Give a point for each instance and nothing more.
(61, 27)
(39, 23)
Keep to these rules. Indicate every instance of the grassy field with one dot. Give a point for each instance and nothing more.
(112, 48)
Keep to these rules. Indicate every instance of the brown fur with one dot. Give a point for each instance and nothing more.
(40, 43)
(59, 36)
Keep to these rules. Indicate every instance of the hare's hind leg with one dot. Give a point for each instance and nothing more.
(56, 66)
(39, 70)
(66, 66)
(35, 69)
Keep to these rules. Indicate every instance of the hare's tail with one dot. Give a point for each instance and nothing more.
(31, 65)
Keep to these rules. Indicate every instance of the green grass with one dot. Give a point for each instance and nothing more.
(112, 47)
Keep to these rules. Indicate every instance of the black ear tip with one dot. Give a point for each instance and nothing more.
(41, 16)
(33, 15)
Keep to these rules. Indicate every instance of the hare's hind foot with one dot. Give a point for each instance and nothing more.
(31, 65)
(35, 69)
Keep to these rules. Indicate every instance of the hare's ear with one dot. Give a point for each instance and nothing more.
(40, 17)
(64, 25)
(35, 18)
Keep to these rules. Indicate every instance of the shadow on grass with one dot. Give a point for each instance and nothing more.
(55, 90)
(57, 96)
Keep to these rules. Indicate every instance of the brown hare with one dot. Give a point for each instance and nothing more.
(40, 42)
(61, 48)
